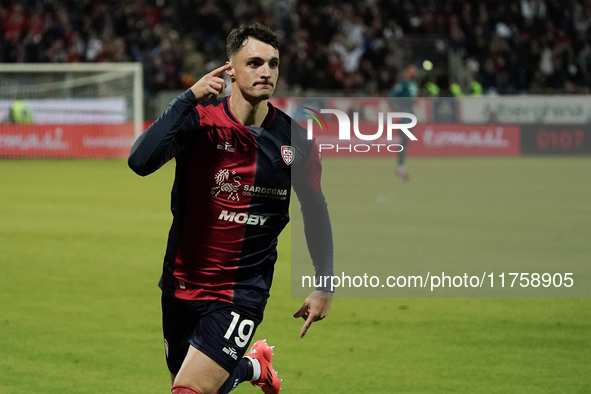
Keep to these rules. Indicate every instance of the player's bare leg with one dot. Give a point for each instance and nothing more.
(200, 373)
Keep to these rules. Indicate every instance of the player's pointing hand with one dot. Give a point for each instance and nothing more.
(315, 308)
(211, 85)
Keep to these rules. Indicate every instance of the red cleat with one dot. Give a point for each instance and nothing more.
(402, 174)
(268, 382)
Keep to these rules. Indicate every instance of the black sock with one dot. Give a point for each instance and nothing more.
(242, 373)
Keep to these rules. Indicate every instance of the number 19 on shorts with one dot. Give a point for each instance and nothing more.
(244, 330)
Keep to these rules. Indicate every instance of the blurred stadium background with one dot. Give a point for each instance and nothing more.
(509, 47)
(81, 241)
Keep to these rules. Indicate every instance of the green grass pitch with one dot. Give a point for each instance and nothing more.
(81, 245)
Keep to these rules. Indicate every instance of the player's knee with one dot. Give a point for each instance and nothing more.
(193, 386)
(183, 390)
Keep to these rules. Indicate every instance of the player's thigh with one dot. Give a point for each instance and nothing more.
(201, 373)
(224, 332)
(179, 319)
(205, 338)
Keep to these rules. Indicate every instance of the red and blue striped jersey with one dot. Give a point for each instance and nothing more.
(230, 198)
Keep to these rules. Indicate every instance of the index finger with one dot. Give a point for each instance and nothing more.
(307, 325)
(220, 70)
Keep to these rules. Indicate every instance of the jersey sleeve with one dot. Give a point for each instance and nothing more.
(166, 137)
(317, 225)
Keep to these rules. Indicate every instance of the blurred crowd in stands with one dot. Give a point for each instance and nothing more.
(510, 47)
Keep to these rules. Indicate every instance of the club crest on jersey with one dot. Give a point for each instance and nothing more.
(288, 154)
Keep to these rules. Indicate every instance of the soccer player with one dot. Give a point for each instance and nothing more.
(405, 91)
(236, 161)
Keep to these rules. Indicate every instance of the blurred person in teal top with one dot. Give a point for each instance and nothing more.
(405, 91)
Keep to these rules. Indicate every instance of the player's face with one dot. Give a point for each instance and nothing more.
(255, 69)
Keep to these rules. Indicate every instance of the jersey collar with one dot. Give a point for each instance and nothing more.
(268, 119)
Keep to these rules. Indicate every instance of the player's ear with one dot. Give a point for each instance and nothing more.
(230, 71)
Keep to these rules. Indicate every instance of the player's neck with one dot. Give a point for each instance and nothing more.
(247, 113)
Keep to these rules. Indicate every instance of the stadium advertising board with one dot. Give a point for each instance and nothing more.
(519, 109)
(73, 111)
(431, 140)
(465, 140)
(555, 140)
(66, 140)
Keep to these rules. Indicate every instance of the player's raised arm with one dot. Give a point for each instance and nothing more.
(158, 144)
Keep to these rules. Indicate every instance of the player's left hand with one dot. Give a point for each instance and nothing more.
(315, 308)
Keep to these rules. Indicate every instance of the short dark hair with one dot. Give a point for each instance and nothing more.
(238, 35)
